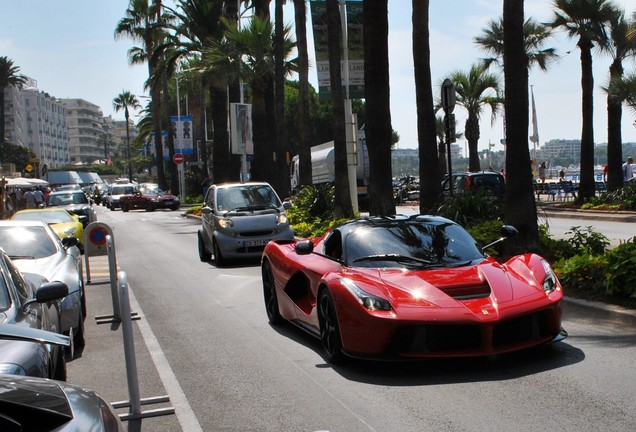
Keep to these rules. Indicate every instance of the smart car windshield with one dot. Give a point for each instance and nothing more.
(411, 243)
(28, 242)
(247, 198)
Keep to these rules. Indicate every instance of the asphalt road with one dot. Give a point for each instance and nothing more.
(203, 339)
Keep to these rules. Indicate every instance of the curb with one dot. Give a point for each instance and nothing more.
(599, 310)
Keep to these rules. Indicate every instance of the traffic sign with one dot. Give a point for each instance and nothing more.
(97, 236)
(178, 158)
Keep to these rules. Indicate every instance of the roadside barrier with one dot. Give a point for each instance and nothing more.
(99, 241)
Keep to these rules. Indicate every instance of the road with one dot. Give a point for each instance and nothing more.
(205, 341)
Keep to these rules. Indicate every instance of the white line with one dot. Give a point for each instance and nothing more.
(183, 411)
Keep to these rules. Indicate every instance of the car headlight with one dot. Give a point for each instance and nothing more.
(12, 368)
(281, 219)
(367, 300)
(549, 283)
(225, 223)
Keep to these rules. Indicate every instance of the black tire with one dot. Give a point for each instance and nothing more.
(78, 336)
(218, 256)
(150, 207)
(173, 208)
(124, 208)
(60, 366)
(269, 295)
(329, 328)
(204, 255)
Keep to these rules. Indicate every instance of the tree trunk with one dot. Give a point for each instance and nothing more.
(586, 185)
(282, 169)
(304, 120)
(430, 179)
(378, 127)
(472, 136)
(343, 207)
(221, 142)
(614, 137)
(521, 209)
(234, 96)
(155, 94)
(172, 167)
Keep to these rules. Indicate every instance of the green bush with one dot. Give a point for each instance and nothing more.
(622, 199)
(487, 232)
(583, 275)
(471, 208)
(621, 266)
(311, 214)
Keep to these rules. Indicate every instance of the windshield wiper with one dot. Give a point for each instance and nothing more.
(14, 257)
(396, 258)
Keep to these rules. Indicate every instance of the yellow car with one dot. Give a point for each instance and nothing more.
(64, 224)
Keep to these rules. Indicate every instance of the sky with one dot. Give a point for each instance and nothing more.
(68, 47)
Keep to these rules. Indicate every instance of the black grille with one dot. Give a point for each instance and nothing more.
(437, 338)
(521, 329)
(256, 233)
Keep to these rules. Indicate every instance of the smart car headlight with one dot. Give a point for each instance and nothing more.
(549, 283)
(367, 300)
(12, 368)
(281, 218)
(225, 223)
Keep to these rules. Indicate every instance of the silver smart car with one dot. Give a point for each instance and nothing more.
(239, 219)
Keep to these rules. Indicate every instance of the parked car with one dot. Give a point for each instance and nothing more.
(63, 223)
(238, 219)
(116, 191)
(405, 287)
(29, 300)
(40, 404)
(35, 248)
(75, 202)
(488, 182)
(149, 197)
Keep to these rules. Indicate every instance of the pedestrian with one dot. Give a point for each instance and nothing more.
(39, 198)
(561, 176)
(605, 170)
(542, 170)
(628, 170)
(29, 199)
(19, 199)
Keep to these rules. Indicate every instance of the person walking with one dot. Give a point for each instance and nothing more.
(628, 170)
(542, 170)
(29, 199)
(39, 198)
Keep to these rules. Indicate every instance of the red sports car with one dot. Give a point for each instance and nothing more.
(410, 287)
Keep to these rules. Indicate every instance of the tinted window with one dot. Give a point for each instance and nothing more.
(50, 217)
(26, 242)
(439, 243)
(246, 197)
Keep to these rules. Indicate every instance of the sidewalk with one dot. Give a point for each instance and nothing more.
(552, 208)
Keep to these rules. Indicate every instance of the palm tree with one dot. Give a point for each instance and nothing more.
(475, 90)
(9, 75)
(625, 89)
(254, 45)
(535, 36)
(620, 46)
(126, 101)
(304, 120)
(141, 24)
(430, 189)
(520, 203)
(342, 205)
(587, 22)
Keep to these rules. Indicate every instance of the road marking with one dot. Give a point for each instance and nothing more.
(183, 411)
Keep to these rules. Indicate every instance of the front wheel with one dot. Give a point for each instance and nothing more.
(329, 328)
(204, 255)
(269, 295)
(218, 256)
(124, 208)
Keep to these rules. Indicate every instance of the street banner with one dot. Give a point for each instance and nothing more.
(241, 128)
(354, 10)
(181, 128)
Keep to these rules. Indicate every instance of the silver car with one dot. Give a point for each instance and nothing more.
(35, 248)
(239, 219)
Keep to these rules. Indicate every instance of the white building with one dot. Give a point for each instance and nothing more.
(88, 132)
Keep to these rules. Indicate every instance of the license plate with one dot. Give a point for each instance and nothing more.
(252, 243)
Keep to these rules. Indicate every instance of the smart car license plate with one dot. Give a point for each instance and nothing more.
(252, 243)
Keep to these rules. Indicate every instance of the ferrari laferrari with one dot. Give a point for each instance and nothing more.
(409, 287)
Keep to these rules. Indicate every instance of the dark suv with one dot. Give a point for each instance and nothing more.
(489, 182)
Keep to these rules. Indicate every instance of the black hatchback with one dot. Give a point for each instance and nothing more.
(487, 182)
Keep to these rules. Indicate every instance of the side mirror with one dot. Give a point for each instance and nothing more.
(69, 242)
(506, 231)
(304, 247)
(287, 205)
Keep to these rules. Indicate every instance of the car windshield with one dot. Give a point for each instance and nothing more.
(50, 217)
(150, 189)
(67, 199)
(26, 242)
(246, 197)
(122, 190)
(413, 243)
